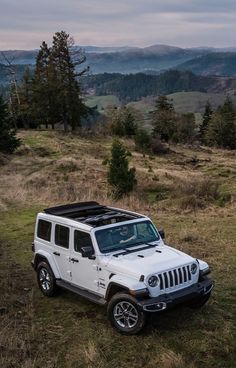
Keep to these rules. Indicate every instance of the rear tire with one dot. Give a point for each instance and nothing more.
(46, 279)
(125, 314)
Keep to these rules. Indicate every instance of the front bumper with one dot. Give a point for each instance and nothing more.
(166, 301)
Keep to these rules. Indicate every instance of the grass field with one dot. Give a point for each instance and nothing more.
(184, 102)
(67, 331)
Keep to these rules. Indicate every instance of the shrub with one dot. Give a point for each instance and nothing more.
(158, 147)
(195, 193)
(142, 141)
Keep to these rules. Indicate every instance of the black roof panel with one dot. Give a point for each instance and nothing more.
(92, 213)
(73, 208)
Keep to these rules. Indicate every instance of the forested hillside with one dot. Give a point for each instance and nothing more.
(212, 64)
(133, 87)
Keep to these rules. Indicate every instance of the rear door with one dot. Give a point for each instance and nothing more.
(84, 270)
(61, 251)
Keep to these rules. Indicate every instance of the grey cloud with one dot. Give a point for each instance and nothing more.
(109, 22)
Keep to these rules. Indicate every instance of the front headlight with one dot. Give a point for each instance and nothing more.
(193, 268)
(153, 281)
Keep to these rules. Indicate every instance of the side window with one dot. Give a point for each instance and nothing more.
(62, 236)
(81, 240)
(44, 230)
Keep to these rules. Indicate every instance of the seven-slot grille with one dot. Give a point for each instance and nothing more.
(174, 277)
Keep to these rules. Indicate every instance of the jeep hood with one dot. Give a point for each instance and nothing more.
(146, 262)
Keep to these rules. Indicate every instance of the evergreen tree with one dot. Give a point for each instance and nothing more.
(122, 121)
(164, 119)
(142, 140)
(44, 91)
(205, 121)
(26, 112)
(185, 128)
(130, 126)
(116, 126)
(69, 101)
(120, 177)
(55, 95)
(8, 140)
(222, 127)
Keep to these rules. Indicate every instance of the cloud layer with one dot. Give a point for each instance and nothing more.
(24, 24)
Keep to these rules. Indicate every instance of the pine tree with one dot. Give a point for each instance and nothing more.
(26, 111)
(69, 101)
(8, 140)
(205, 121)
(120, 177)
(130, 126)
(122, 121)
(44, 93)
(142, 141)
(222, 127)
(55, 90)
(185, 128)
(164, 119)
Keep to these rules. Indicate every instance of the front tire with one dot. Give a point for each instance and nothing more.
(125, 314)
(46, 279)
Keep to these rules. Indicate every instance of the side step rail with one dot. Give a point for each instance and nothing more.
(82, 292)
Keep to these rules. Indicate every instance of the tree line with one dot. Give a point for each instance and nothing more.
(218, 128)
(51, 94)
(133, 87)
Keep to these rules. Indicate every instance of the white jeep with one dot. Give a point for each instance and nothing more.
(116, 258)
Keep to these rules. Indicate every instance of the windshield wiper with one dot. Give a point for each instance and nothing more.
(127, 250)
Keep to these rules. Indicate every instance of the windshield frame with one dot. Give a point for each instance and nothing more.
(124, 246)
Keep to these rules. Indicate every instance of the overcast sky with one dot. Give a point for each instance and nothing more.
(25, 23)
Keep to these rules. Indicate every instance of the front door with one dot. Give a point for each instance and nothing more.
(84, 270)
(61, 252)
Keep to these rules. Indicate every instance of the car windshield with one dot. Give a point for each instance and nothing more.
(126, 236)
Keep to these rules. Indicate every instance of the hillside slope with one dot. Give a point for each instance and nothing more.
(222, 64)
(69, 332)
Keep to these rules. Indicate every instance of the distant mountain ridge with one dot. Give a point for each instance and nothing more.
(151, 59)
(217, 63)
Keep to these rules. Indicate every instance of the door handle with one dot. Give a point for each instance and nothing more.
(56, 253)
(74, 260)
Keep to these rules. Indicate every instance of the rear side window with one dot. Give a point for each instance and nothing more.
(44, 230)
(81, 240)
(62, 236)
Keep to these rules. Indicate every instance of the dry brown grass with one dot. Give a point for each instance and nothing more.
(60, 333)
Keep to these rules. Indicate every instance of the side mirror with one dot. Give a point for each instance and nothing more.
(87, 252)
(162, 233)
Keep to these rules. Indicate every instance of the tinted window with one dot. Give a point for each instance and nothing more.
(81, 240)
(44, 230)
(62, 236)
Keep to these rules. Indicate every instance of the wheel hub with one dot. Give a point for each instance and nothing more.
(44, 278)
(125, 314)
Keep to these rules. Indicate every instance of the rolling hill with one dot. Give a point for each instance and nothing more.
(152, 59)
(184, 102)
(133, 87)
(221, 64)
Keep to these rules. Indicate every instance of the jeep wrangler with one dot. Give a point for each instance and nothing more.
(115, 258)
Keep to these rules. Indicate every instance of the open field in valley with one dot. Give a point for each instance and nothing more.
(190, 192)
